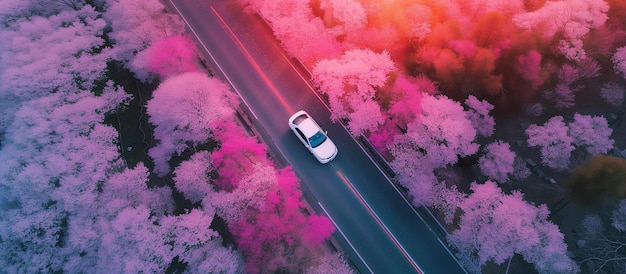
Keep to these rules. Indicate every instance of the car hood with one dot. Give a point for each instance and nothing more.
(326, 150)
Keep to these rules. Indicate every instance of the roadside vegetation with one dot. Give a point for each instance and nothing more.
(504, 118)
(493, 114)
(120, 156)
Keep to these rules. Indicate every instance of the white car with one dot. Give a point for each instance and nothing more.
(312, 136)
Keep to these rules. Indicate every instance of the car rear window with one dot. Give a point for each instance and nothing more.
(299, 119)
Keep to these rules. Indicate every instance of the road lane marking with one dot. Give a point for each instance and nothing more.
(380, 223)
(346, 238)
(254, 63)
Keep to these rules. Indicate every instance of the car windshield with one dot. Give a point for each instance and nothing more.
(317, 139)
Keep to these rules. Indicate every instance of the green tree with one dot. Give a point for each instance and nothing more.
(603, 176)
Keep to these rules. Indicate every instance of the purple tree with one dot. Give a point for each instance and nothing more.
(171, 56)
(59, 50)
(529, 67)
(497, 161)
(137, 24)
(619, 61)
(192, 177)
(593, 132)
(478, 114)
(495, 226)
(556, 144)
(612, 93)
(435, 139)
(183, 109)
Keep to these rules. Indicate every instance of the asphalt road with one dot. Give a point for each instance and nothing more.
(377, 228)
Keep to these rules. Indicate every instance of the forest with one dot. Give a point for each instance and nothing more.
(201, 197)
(502, 117)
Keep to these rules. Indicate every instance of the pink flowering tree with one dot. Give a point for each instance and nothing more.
(529, 67)
(497, 161)
(250, 193)
(495, 226)
(406, 103)
(183, 109)
(191, 177)
(137, 24)
(236, 155)
(442, 132)
(350, 84)
(170, 56)
(406, 94)
(68, 203)
(134, 242)
(264, 212)
(331, 263)
(435, 139)
(199, 246)
(277, 236)
(557, 139)
(554, 140)
(290, 19)
(348, 14)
